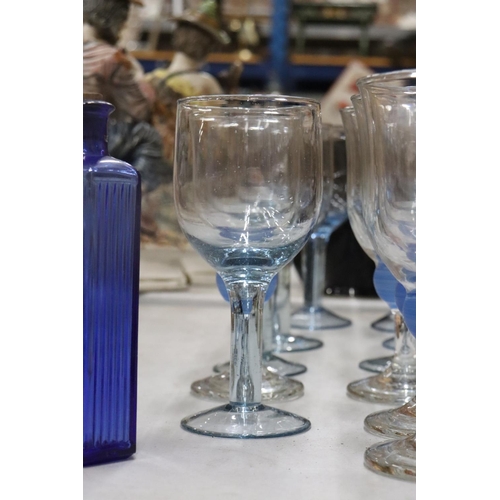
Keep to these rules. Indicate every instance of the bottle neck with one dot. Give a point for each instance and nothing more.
(95, 127)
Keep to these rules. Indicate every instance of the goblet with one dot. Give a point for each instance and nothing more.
(283, 339)
(383, 280)
(247, 191)
(312, 315)
(271, 362)
(396, 383)
(278, 311)
(354, 210)
(391, 107)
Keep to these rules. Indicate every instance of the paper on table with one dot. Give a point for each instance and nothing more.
(160, 270)
(169, 268)
(197, 269)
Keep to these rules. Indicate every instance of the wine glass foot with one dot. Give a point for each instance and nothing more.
(389, 343)
(245, 422)
(396, 458)
(295, 343)
(274, 387)
(383, 388)
(395, 423)
(317, 318)
(274, 364)
(384, 324)
(377, 365)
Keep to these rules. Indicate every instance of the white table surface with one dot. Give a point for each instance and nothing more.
(182, 335)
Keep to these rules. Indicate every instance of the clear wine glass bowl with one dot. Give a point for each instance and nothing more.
(247, 190)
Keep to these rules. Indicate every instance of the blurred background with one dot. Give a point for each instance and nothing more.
(144, 55)
(299, 47)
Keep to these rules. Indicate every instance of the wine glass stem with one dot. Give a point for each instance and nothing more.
(313, 266)
(268, 324)
(281, 306)
(405, 346)
(245, 379)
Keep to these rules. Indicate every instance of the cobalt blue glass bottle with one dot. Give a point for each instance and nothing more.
(111, 225)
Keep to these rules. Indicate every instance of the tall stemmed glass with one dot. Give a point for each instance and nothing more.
(392, 219)
(312, 315)
(284, 340)
(279, 318)
(383, 280)
(248, 188)
(396, 384)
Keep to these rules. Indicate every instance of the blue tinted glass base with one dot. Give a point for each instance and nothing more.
(295, 343)
(377, 365)
(317, 318)
(385, 324)
(245, 422)
(390, 343)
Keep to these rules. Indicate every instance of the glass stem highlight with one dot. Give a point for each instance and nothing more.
(245, 380)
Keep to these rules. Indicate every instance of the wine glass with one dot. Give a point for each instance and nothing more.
(312, 315)
(396, 383)
(392, 221)
(279, 305)
(355, 216)
(383, 280)
(247, 191)
(283, 339)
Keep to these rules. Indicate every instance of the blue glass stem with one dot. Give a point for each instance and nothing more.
(245, 378)
(313, 267)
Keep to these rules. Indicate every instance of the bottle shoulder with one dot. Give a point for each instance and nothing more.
(109, 166)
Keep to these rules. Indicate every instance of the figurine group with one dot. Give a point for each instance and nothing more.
(142, 126)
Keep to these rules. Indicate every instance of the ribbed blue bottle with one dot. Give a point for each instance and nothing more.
(111, 225)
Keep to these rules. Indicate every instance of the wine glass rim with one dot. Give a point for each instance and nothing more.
(410, 90)
(191, 101)
(380, 78)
